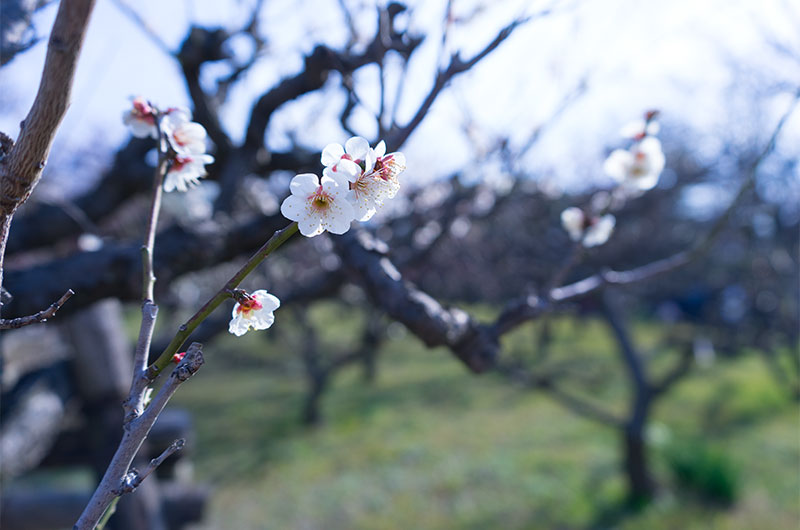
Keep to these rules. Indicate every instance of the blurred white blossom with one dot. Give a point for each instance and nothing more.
(141, 118)
(639, 167)
(590, 231)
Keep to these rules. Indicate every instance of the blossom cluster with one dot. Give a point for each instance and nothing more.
(186, 140)
(355, 183)
(636, 170)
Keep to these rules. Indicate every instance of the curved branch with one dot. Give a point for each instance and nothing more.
(41, 316)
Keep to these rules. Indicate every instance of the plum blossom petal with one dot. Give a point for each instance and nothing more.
(380, 149)
(304, 184)
(254, 312)
(346, 170)
(357, 147)
(332, 154)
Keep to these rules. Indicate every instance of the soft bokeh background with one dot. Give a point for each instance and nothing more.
(338, 416)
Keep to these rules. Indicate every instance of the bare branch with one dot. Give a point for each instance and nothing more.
(133, 436)
(135, 477)
(142, 24)
(676, 373)
(548, 384)
(435, 325)
(443, 77)
(41, 316)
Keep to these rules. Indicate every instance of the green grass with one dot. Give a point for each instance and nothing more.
(431, 446)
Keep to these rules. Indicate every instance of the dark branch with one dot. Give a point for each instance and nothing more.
(41, 316)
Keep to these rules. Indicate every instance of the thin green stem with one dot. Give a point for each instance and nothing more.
(277, 239)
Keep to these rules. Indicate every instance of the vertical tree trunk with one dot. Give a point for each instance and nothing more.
(312, 414)
(641, 486)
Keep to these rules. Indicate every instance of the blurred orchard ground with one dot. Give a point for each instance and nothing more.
(661, 397)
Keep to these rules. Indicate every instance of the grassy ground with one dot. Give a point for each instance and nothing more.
(431, 446)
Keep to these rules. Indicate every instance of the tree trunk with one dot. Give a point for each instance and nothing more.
(641, 486)
(311, 407)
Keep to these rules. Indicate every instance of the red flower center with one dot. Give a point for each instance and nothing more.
(248, 305)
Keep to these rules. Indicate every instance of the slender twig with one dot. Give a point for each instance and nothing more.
(41, 316)
(135, 477)
(443, 77)
(352, 37)
(132, 439)
(148, 277)
(137, 19)
(277, 239)
(135, 403)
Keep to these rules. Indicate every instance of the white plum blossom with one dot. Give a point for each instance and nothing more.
(141, 118)
(589, 230)
(253, 311)
(185, 171)
(373, 187)
(639, 167)
(321, 204)
(374, 173)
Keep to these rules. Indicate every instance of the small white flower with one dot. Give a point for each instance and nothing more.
(590, 231)
(320, 204)
(141, 119)
(639, 167)
(255, 311)
(374, 186)
(186, 137)
(185, 171)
